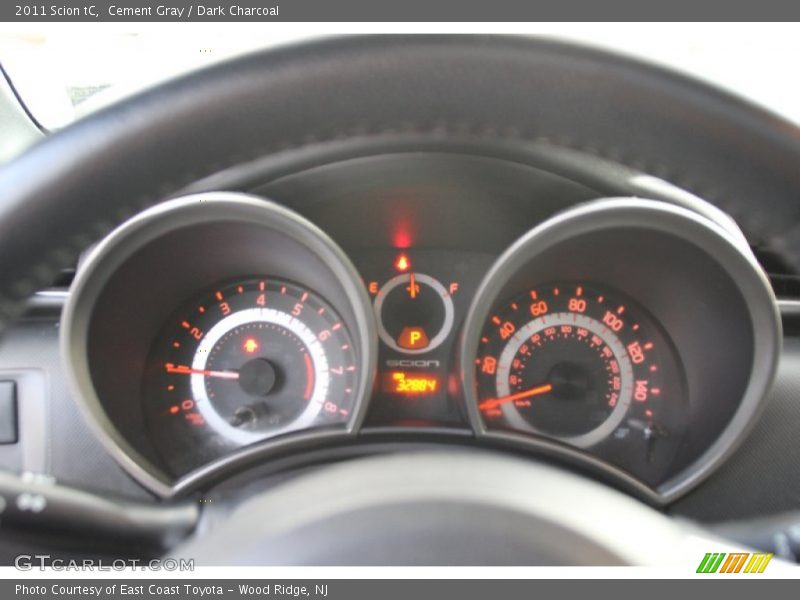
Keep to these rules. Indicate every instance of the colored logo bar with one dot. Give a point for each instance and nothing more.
(734, 562)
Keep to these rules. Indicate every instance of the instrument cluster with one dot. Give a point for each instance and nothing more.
(618, 335)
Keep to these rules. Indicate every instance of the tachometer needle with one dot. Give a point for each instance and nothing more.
(494, 402)
(184, 370)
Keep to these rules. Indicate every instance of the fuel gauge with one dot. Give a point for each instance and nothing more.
(414, 312)
(419, 298)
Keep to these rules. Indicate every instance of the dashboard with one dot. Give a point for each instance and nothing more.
(417, 310)
(423, 297)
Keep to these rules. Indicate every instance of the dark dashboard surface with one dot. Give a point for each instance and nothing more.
(449, 217)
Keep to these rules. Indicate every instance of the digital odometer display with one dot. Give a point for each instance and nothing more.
(411, 383)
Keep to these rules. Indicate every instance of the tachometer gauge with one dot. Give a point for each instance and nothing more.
(213, 329)
(246, 361)
(580, 364)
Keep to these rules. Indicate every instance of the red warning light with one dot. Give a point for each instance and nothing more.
(402, 232)
(250, 345)
(402, 263)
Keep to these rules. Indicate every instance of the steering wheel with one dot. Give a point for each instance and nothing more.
(490, 94)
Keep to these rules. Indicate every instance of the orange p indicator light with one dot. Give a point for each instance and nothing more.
(413, 338)
(250, 345)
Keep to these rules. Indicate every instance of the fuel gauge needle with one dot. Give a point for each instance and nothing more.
(184, 370)
(494, 402)
(413, 288)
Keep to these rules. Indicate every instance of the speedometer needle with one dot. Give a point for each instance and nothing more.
(494, 402)
(184, 370)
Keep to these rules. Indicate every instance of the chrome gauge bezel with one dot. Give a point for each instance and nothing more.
(447, 303)
(718, 239)
(158, 223)
(616, 415)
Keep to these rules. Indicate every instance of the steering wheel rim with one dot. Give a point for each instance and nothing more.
(77, 185)
(411, 508)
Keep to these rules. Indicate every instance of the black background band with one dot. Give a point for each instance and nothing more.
(397, 10)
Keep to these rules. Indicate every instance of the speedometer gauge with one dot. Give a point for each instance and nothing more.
(247, 361)
(584, 365)
(618, 335)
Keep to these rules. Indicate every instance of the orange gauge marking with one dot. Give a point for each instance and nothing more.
(489, 364)
(539, 308)
(495, 402)
(184, 370)
(576, 305)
